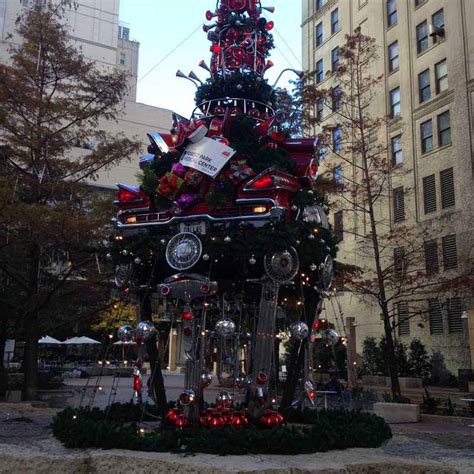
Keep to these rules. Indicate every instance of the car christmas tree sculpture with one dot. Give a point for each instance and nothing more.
(227, 200)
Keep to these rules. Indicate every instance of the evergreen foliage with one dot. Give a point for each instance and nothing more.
(322, 431)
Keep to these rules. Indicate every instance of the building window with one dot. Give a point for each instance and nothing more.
(441, 75)
(403, 319)
(319, 109)
(124, 32)
(399, 261)
(122, 59)
(455, 325)
(429, 193)
(431, 256)
(338, 174)
(391, 12)
(450, 252)
(424, 86)
(319, 4)
(339, 225)
(334, 59)
(335, 21)
(422, 37)
(322, 153)
(319, 34)
(319, 71)
(398, 204)
(437, 20)
(419, 2)
(397, 154)
(393, 58)
(435, 316)
(336, 98)
(448, 198)
(336, 140)
(426, 129)
(444, 129)
(395, 102)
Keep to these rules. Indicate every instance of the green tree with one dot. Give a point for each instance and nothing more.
(52, 224)
(419, 360)
(371, 357)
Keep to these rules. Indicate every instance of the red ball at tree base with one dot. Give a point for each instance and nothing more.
(187, 315)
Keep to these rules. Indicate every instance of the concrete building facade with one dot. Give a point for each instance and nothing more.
(96, 30)
(427, 62)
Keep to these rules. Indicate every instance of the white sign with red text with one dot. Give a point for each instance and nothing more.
(207, 156)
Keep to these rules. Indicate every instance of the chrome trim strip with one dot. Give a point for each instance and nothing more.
(178, 219)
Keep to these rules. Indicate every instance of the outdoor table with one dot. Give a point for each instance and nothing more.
(326, 393)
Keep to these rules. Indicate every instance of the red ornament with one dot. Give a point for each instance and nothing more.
(187, 315)
(262, 378)
(219, 110)
(216, 49)
(254, 112)
(269, 26)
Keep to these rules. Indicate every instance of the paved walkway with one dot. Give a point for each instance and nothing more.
(27, 445)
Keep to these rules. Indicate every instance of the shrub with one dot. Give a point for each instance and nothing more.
(321, 431)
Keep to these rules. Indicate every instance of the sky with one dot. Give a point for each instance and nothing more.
(171, 38)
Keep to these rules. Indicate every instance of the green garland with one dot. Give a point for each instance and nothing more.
(249, 86)
(324, 431)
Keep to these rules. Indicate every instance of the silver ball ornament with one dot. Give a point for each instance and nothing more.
(224, 398)
(145, 330)
(125, 333)
(138, 260)
(252, 260)
(311, 237)
(239, 87)
(225, 327)
(162, 241)
(206, 257)
(299, 330)
(331, 337)
(313, 267)
(125, 252)
(108, 256)
(227, 239)
(206, 379)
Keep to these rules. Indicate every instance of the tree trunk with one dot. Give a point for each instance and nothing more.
(30, 362)
(391, 362)
(3, 371)
(156, 381)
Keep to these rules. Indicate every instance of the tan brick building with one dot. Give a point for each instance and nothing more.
(426, 56)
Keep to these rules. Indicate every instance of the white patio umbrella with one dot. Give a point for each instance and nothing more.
(48, 340)
(126, 343)
(81, 341)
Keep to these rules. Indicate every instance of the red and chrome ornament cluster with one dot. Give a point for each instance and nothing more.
(223, 415)
(241, 38)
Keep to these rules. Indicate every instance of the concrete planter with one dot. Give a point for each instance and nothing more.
(398, 412)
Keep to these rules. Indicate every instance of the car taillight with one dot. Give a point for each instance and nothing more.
(263, 182)
(125, 195)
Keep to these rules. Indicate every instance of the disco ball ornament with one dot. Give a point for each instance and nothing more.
(183, 251)
(311, 237)
(187, 397)
(125, 333)
(108, 256)
(225, 327)
(162, 241)
(313, 267)
(145, 330)
(252, 260)
(138, 260)
(206, 379)
(331, 336)
(227, 239)
(206, 257)
(299, 330)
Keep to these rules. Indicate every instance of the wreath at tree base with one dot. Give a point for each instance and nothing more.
(305, 432)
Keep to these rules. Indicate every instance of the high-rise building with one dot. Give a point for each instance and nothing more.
(95, 29)
(427, 66)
